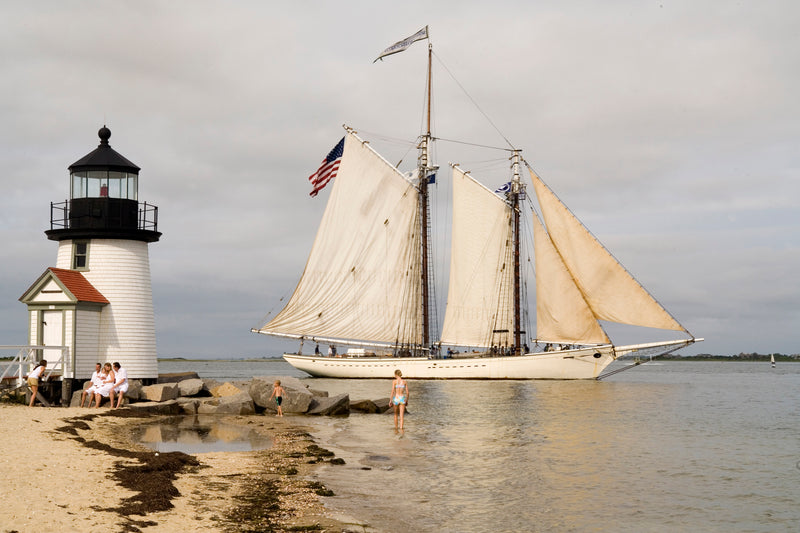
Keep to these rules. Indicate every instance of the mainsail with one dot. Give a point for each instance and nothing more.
(608, 291)
(361, 281)
(480, 292)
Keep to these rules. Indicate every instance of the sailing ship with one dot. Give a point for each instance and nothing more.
(368, 284)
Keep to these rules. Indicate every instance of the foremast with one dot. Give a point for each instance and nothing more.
(517, 189)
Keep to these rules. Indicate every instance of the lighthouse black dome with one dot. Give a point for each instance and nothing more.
(104, 200)
(104, 157)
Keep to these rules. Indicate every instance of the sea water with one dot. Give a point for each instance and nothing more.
(668, 446)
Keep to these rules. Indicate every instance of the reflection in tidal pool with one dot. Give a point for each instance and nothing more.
(199, 434)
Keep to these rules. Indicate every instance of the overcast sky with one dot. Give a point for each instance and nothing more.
(671, 129)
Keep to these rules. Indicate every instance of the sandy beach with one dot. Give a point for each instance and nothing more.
(72, 469)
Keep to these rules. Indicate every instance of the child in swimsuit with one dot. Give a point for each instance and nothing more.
(277, 392)
(399, 397)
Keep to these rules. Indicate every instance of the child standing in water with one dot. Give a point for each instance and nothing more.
(399, 397)
(277, 392)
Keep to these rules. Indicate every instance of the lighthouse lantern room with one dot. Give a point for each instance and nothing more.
(97, 300)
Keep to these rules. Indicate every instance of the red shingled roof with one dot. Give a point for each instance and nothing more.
(78, 285)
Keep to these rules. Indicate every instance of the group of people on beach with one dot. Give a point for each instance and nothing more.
(108, 381)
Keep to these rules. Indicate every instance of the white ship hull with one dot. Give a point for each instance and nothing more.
(585, 363)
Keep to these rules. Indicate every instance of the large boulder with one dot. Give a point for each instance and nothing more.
(190, 387)
(364, 406)
(383, 404)
(75, 401)
(188, 405)
(176, 377)
(239, 404)
(160, 392)
(286, 382)
(296, 398)
(226, 389)
(330, 406)
(134, 389)
(170, 407)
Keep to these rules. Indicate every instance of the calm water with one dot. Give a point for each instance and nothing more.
(664, 447)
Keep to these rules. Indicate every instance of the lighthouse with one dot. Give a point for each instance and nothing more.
(97, 300)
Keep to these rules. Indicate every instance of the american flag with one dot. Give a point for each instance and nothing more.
(327, 170)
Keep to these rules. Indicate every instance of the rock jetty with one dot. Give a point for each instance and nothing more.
(186, 393)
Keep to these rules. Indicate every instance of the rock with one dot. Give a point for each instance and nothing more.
(364, 406)
(294, 400)
(238, 404)
(134, 390)
(160, 392)
(188, 405)
(335, 405)
(190, 387)
(170, 407)
(75, 401)
(286, 381)
(176, 377)
(383, 404)
(226, 389)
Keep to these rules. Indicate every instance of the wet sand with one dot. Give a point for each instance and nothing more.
(73, 469)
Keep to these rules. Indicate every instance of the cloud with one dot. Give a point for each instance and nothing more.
(670, 129)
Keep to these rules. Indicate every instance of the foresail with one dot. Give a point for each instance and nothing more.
(610, 291)
(481, 270)
(361, 280)
(562, 314)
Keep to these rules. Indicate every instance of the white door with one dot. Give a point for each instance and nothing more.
(52, 334)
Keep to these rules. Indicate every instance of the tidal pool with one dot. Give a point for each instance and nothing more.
(199, 434)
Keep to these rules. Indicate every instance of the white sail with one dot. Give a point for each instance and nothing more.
(610, 291)
(562, 314)
(361, 280)
(479, 300)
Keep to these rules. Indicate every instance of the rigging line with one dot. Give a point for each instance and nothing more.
(388, 139)
(487, 146)
(473, 101)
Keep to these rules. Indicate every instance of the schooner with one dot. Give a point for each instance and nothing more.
(367, 281)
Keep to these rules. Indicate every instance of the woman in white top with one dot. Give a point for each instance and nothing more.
(33, 379)
(107, 386)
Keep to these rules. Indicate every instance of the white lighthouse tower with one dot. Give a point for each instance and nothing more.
(105, 303)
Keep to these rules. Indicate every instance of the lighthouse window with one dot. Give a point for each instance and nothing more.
(80, 255)
(104, 184)
(132, 189)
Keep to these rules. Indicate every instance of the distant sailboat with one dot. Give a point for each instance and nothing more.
(366, 280)
(772, 360)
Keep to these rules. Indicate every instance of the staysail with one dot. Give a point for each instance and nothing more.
(479, 311)
(609, 291)
(562, 314)
(361, 280)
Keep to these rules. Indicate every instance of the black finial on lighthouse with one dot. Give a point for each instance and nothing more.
(104, 134)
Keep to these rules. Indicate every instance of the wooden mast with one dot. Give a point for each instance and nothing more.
(424, 167)
(515, 194)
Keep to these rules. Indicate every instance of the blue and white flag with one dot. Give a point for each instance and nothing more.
(506, 187)
(405, 43)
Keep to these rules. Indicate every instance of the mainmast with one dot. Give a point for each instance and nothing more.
(516, 191)
(424, 168)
